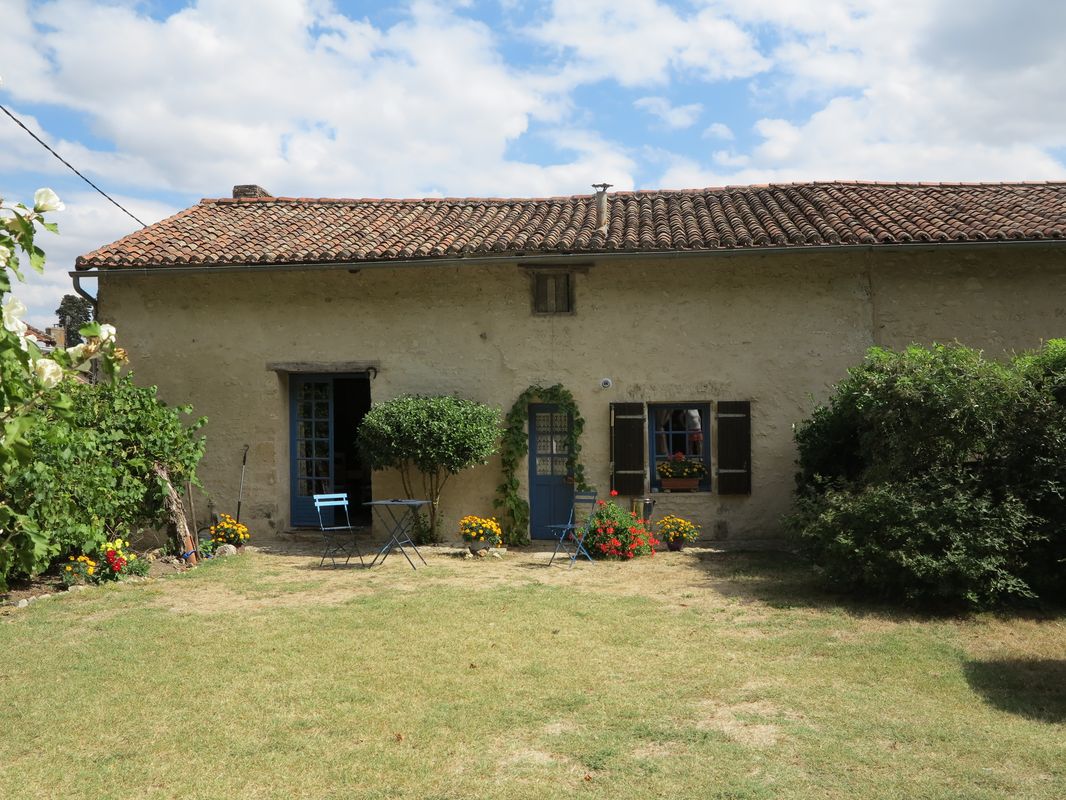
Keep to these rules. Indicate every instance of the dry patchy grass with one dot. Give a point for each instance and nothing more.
(698, 674)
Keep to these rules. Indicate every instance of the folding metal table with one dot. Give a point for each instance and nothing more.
(399, 518)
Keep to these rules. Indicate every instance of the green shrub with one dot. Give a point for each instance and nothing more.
(428, 439)
(92, 478)
(938, 546)
(934, 476)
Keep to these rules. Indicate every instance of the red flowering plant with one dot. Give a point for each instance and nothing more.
(617, 533)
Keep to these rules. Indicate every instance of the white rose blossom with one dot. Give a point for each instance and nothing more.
(46, 200)
(5, 255)
(107, 333)
(48, 372)
(12, 311)
(77, 352)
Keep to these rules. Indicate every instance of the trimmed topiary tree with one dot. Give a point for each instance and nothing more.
(427, 440)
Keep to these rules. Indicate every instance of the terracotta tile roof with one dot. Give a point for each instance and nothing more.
(285, 230)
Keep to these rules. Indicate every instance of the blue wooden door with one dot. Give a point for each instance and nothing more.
(311, 446)
(551, 487)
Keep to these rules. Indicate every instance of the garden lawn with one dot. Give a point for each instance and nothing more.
(690, 675)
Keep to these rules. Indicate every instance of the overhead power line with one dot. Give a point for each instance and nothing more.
(71, 167)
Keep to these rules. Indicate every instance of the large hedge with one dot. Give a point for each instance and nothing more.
(935, 476)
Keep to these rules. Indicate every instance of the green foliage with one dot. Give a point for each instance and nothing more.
(515, 445)
(617, 533)
(435, 437)
(74, 313)
(92, 476)
(31, 384)
(934, 477)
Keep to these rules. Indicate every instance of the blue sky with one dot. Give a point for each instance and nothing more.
(162, 102)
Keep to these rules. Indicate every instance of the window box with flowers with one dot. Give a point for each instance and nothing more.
(680, 474)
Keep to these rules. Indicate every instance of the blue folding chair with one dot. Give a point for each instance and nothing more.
(574, 531)
(338, 539)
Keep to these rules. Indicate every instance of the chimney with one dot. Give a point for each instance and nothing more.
(250, 190)
(59, 335)
(602, 215)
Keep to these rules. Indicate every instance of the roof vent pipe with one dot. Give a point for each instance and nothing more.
(602, 217)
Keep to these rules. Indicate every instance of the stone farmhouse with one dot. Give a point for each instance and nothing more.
(704, 322)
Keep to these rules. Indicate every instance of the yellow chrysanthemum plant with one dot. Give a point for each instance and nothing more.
(676, 529)
(481, 531)
(228, 531)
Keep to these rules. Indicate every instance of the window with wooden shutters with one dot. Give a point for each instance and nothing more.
(627, 448)
(553, 293)
(734, 447)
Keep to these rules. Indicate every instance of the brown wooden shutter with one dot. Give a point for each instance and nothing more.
(734, 447)
(628, 429)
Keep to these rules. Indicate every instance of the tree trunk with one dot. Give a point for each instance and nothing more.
(178, 527)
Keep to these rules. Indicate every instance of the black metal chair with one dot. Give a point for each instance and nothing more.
(338, 539)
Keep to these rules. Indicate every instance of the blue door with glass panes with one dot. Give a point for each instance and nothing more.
(551, 487)
(311, 442)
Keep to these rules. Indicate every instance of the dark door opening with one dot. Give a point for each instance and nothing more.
(326, 411)
(351, 401)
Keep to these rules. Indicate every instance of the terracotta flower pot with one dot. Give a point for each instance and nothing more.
(680, 484)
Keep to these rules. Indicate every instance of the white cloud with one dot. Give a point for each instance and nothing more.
(640, 42)
(906, 90)
(718, 130)
(293, 96)
(673, 117)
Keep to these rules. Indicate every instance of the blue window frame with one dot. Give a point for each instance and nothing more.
(679, 428)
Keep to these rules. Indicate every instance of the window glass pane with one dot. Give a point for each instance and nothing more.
(321, 391)
(321, 410)
(559, 466)
(321, 469)
(321, 448)
(303, 411)
(544, 466)
(561, 422)
(303, 449)
(322, 430)
(679, 429)
(303, 488)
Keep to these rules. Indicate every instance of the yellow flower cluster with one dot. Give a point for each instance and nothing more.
(82, 562)
(672, 528)
(119, 545)
(228, 531)
(481, 529)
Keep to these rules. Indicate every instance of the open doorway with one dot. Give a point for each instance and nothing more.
(351, 401)
(326, 411)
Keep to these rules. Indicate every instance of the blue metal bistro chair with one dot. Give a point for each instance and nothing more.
(572, 534)
(338, 539)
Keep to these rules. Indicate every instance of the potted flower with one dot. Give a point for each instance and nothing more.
(678, 473)
(675, 531)
(480, 532)
(228, 531)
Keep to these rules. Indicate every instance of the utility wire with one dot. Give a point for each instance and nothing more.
(71, 166)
